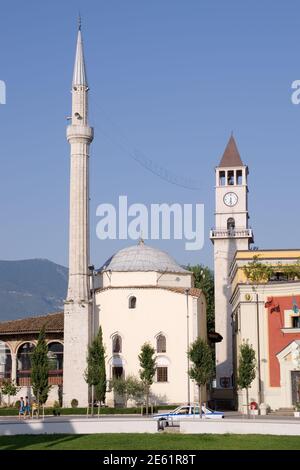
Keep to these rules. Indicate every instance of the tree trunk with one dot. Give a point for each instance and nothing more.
(247, 402)
(38, 404)
(8, 401)
(147, 401)
(92, 410)
(200, 401)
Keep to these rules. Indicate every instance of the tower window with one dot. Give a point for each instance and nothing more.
(161, 346)
(162, 374)
(132, 302)
(222, 178)
(230, 178)
(239, 177)
(231, 224)
(117, 344)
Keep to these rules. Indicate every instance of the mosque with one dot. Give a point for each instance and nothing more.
(141, 294)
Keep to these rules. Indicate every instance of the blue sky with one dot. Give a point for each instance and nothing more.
(171, 78)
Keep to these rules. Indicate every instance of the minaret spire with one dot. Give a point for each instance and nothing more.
(79, 75)
(77, 318)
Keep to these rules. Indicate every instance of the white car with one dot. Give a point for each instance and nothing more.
(186, 412)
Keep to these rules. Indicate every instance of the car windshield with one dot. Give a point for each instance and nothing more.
(195, 410)
(184, 410)
(176, 409)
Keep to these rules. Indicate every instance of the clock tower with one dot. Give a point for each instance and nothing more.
(231, 233)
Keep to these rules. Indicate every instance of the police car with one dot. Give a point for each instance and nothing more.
(186, 412)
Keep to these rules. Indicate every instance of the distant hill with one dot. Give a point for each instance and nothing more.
(31, 287)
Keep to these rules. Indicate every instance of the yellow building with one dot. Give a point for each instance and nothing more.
(265, 301)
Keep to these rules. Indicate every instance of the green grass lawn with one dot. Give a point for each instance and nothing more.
(149, 442)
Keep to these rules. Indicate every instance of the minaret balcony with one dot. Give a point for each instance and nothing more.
(80, 133)
(231, 233)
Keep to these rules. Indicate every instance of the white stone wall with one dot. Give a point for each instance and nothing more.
(140, 278)
(157, 310)
(224, 250)
(76, 340)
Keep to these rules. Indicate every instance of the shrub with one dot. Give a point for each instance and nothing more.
(17, 404)
(74, 403)
(56, 408)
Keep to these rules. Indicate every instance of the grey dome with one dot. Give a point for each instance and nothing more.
(142, 258)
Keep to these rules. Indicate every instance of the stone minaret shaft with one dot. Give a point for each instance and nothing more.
(79, 135)
(77, 311)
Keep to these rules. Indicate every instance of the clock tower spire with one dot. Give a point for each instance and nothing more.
(231, 233)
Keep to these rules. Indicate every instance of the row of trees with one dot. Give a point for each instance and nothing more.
(201, 372)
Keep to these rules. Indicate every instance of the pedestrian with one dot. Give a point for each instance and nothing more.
(21, 408)
(34, 409)
(27, 407)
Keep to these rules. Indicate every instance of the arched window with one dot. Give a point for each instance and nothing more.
(231, 224)
(230, 178)
(5, 361)
(132, 302)
(24, 364)
(55, 361)
(55, 356)
(162, 369)
(117, 344)
(161, 344)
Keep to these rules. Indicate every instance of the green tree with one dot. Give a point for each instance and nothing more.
(95, 374)
(202, 370)
(246, 369)
(10, 389)
(257, 272)
(40, 369)
(129, 388)
(204, 280)
(148, 367)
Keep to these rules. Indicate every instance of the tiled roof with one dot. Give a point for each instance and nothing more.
(231, 156)
(54, 322)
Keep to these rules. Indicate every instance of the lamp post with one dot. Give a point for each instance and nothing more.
(92, 273)
(258, 350)
(188, 345)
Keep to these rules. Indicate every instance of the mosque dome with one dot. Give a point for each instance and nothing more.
(142, 257)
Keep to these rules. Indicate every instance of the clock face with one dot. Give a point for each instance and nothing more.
(230, 199)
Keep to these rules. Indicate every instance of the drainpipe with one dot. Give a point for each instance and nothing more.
(188, 345)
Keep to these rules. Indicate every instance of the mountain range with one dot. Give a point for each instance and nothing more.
(31, 287)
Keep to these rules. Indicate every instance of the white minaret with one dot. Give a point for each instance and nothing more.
(77, 310)
(231, 233)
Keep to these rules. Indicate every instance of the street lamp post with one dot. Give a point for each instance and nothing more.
(188, 345)
(258, 351)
